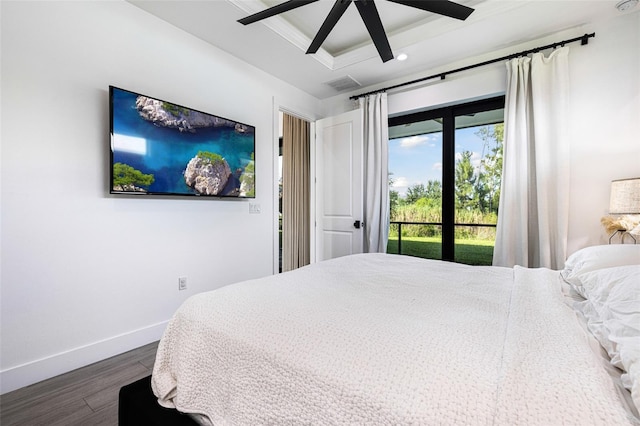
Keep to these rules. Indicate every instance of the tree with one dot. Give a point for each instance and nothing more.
(466, 195)
(415, 192)
(394, 199)
(247, 179)
(432, 195)
(434, 190)
(490, 176)
(128, 178)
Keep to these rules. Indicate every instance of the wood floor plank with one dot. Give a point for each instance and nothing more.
(75, 377)
(78, 390)
(107, 416)
(149, 359)
(109, 394)
(86, 396)
(61, 413)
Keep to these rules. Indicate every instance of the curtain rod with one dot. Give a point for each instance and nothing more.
(582, 39)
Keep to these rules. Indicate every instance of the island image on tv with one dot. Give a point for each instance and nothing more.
(160, 148)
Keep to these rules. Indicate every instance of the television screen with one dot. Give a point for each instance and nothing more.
(160, 148)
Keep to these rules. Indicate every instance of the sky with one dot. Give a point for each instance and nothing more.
(418, 159)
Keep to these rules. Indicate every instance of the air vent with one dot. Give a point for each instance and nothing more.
(344, 83)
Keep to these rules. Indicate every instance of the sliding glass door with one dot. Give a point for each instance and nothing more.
(445, 166)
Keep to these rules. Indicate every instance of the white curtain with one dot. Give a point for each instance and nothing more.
(376, 176)
(534, 201)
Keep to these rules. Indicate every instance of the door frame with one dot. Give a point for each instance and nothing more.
(277, 108)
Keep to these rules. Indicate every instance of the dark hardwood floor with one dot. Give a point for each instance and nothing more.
(87, 396)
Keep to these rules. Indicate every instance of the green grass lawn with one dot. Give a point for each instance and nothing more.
(471, 252)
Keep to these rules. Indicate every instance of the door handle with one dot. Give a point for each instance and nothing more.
(357, 224)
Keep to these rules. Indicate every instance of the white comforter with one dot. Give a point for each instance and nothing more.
(386, 339)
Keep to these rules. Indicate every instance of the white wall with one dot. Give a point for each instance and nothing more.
(605, 111)
(86, 275)
(605, 123)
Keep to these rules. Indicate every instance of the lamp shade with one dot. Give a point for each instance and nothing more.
(625, 196)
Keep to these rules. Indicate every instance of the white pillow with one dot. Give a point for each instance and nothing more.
(598, 257)
(613, 316)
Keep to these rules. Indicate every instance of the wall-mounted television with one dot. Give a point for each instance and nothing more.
(161, 148)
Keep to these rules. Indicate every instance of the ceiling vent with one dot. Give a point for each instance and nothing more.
(344, 83)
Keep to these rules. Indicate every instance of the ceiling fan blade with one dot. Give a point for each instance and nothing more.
(371, 18)
(441, 7)
(274, 10)
(330, 21)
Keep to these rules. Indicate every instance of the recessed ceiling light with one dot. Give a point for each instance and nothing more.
(626, 5)
(402, 57)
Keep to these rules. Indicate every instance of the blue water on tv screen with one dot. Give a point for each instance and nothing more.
(162, 148)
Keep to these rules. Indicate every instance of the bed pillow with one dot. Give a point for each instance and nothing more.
(598, 257)
(612, 310)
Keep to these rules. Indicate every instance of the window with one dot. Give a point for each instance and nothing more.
(445, 168)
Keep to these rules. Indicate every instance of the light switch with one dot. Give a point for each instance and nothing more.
(254, 208)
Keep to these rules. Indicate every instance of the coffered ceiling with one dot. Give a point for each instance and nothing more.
(278, 44)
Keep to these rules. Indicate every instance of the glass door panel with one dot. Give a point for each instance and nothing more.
(415, 188)
(478, 170)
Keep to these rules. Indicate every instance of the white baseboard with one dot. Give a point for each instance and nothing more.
(35, 371)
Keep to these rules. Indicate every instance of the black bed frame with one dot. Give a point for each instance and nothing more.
(137, 405)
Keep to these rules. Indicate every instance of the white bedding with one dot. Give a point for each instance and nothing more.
(386, 339)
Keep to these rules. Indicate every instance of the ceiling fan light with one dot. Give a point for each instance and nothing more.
(402, 57)
(370, 16)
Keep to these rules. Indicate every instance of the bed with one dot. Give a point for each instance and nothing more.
(390, 339)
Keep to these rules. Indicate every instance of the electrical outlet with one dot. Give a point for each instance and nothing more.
(182, 283)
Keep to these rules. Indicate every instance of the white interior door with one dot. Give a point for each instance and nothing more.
(339, 192)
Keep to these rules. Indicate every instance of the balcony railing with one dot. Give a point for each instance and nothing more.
(465, 253)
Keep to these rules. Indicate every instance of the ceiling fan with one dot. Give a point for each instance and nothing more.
(368, 13)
